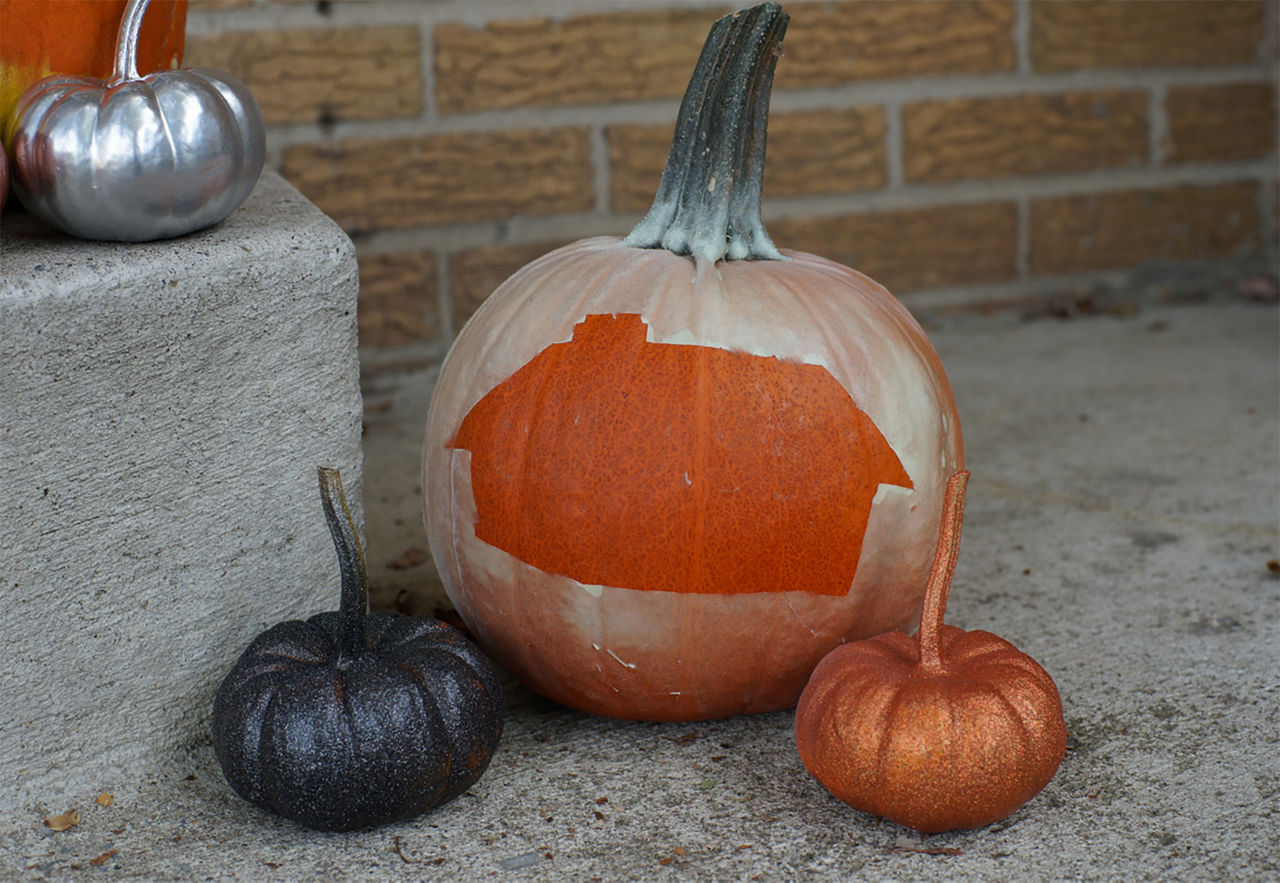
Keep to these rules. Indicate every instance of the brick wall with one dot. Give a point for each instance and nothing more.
(963, 153)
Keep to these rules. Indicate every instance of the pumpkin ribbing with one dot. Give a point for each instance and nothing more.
(76, 37)
(348, 720)
(708, 201)
(134, 159)
(662, 482)
(950, 729)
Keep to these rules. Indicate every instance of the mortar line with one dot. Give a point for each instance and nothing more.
(298, 16)
(601, 172)
(1022, 35)
(1022, 253)
(1181, 276)
(1158, 126)
(1270, 34)
(894, 144)
(653, 111)
(444, 295)
(475, 14)
(1267, 193)
(532, 229)
(427, 60)
(1267, 224)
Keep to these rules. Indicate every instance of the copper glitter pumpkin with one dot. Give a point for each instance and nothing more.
(948, 729)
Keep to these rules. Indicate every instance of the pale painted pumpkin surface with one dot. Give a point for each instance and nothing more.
(662, 488)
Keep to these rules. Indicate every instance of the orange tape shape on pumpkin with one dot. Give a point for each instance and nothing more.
(617, 461)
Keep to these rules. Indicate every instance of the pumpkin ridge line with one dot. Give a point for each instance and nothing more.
(891, 695)
(170, 142)
(1015, 714)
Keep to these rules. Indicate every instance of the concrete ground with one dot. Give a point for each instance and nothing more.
(1122, 529)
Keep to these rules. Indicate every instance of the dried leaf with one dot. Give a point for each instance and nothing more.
(405, 603)
(398, 850)
(103, 858)
(62, 822)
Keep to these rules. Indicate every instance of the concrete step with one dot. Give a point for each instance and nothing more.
(163, 409)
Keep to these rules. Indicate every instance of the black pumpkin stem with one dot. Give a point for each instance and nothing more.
(355, 578)
(708, 202)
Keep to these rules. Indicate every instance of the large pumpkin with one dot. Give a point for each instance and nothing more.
(43, 37)
(665, 475)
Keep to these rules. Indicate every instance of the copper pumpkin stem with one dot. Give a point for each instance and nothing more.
(944, 566)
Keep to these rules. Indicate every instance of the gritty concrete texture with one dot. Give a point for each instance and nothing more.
(1121, 521)
(163, 409)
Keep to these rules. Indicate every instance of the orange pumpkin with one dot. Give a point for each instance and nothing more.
(664, 475)
(950, 729)
(43, 37)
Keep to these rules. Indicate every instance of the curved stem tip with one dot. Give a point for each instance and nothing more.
(355, 578)
(126, 67)
(944, 567)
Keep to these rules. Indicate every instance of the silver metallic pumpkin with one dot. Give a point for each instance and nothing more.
(136, 158)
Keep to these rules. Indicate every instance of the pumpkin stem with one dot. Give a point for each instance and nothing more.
(355, 579)
(944, 567)
(127, 41)
(708, 202)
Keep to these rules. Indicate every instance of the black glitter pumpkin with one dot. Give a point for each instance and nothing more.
(349, 719)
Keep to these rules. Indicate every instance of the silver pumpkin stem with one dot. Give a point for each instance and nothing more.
(127, 41)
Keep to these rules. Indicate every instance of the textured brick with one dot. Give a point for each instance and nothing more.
(583, 59)
(1234, 122)
(811, 152)
(398, 299)
(1162, 33)
(832, 43)
(1023, 134)
(332, 74)
(637, 155)
(1122, 229)
(915, 249)
(440, 179)
(474, 274)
